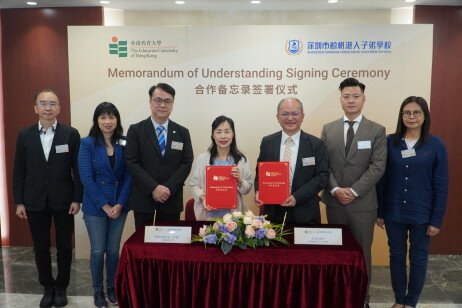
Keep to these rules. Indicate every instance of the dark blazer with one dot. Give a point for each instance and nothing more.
(102, 183)
(149, 169)
(307, 182)
(35, 179)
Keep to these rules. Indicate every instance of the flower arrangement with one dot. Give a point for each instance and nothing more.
(242, 230)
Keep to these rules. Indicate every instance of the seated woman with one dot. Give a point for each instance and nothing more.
(107, 186)
(222, 152)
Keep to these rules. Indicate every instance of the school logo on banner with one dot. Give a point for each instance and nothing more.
(294, 47)
(118, 47)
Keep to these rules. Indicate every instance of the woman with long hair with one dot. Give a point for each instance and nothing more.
(107, 186)
(222, 152)
(412, 197)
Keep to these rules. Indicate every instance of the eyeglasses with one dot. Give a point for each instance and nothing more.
(159, 101)
(287, 115)
(415, 113)
(51, 104)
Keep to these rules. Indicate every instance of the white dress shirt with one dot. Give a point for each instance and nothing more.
(46, 137)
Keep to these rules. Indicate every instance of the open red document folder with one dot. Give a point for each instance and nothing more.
(221, 187)
(273, 182)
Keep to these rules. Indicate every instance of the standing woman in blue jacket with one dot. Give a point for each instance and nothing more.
(412, 197)
(107, 186)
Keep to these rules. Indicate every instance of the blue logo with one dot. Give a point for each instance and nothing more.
(294, 47)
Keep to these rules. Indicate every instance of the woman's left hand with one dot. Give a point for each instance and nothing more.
(236, 173)
(115, 211)
(432, 231)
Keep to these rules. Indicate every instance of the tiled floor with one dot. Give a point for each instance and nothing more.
(19, 285)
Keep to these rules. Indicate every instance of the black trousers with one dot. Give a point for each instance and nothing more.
(142, 219)
(40, 225)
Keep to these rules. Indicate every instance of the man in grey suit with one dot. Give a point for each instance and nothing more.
(309, 171)
(357, 153)
(159, 156)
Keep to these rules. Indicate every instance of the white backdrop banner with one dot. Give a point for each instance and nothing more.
(244, 71)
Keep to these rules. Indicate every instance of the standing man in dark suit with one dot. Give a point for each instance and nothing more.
(357, 151)
(46, 187)
(159, 157)
(309, 172)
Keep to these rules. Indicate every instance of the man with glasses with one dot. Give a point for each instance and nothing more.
(46, 187)
(159, 157)
(309, 172)
(357, 151)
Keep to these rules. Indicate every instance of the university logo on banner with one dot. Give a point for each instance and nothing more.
(118, 47)
(294, 47)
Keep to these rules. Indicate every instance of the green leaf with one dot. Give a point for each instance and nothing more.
(226, 247)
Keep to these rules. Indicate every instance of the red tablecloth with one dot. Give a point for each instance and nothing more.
(188, 275)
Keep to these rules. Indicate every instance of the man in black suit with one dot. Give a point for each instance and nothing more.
(309, 172)
(159, 157)
(46, 187)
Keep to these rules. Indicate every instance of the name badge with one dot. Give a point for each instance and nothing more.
(122, 142)
(62, 148)
(318, 236)
(408, 153)
(308, 161)
(177, 145)
(364, 145)
(177, 235)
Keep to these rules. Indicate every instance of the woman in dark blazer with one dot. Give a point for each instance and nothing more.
(107, 186)
(412, 197)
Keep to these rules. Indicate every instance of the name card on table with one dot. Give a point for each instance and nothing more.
(318, 236)
(165, 234)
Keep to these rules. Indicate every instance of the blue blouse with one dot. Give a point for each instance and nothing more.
(414, 190)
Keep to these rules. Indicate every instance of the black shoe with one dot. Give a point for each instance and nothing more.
(60, 298)
(111, 296)
(99, 299)
(48, 297)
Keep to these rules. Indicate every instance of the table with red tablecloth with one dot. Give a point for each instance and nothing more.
(190, 275)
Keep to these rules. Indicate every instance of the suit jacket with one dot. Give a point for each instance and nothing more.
(149, 169)
(103, 184)
(361, 169)
(307, 182)
(35, 179)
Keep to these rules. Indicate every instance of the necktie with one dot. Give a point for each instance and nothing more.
(288, 155)
(350, 136)
(161, 137)
(287, 149)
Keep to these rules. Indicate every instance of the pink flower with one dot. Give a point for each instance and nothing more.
(257, 223)
(231, 225)
(215, 226)
(270, 233)
(249, 231)
(203, 231)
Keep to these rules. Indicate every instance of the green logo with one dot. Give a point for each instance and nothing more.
(118, 47)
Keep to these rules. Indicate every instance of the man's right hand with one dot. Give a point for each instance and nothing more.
(21, 211)
(161, 193)
(344, 195)
(258, 202)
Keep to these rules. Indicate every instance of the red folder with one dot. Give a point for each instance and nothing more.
(273, 182)
(221, 187)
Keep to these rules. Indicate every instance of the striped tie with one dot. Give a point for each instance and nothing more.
(288, 155)
(161, 137)
(287, 149)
